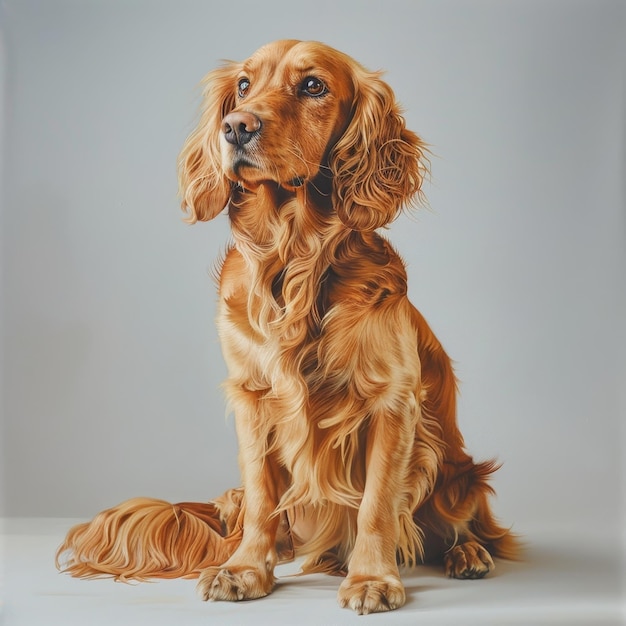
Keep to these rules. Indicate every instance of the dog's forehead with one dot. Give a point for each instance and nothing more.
(281, 59)
(270, 54)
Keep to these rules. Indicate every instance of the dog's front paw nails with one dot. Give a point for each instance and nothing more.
(469, 560)
(371, 594)
(234, 583)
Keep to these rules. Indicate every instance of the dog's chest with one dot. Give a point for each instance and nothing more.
(308, 414)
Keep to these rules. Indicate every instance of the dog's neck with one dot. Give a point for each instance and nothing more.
(287, 223)
(288, 238)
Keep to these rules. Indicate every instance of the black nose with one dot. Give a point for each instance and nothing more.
(239, 127)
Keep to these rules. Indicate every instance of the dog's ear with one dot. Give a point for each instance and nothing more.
(203, 188)
(377, 164)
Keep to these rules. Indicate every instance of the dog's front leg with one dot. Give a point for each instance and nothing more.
(249, 572)
(373, 583)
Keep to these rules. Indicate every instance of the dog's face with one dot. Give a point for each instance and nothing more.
(292, 102)
(295, 110)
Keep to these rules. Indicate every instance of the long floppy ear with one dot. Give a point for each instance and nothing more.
(378, 164)
(203, 188)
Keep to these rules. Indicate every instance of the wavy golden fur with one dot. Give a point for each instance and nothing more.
(344, 400)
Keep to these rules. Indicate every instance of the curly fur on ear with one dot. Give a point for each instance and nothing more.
(203, 188)
(378, 164)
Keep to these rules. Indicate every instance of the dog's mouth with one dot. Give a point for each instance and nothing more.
(250, 170)
(242, 162)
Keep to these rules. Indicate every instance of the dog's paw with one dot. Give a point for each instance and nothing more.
(469, 560)
(234, 583)
(365, 594)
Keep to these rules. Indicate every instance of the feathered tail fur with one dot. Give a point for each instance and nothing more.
(145, 538)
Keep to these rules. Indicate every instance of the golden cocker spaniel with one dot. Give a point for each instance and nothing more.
(344, 400)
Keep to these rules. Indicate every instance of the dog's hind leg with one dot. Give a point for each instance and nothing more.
(459, 525)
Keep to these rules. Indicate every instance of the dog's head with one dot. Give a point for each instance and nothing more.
(293, 112)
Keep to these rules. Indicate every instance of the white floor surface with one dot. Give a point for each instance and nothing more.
(566, 578)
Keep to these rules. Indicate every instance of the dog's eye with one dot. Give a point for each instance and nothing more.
(242, 87)
(312, 86)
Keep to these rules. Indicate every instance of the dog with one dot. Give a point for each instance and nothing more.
(344, 399)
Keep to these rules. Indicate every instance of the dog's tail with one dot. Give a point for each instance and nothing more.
(144, 538)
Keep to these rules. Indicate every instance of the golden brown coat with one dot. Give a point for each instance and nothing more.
(343, 398)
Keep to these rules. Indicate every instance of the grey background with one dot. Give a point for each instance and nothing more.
(110, 360)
